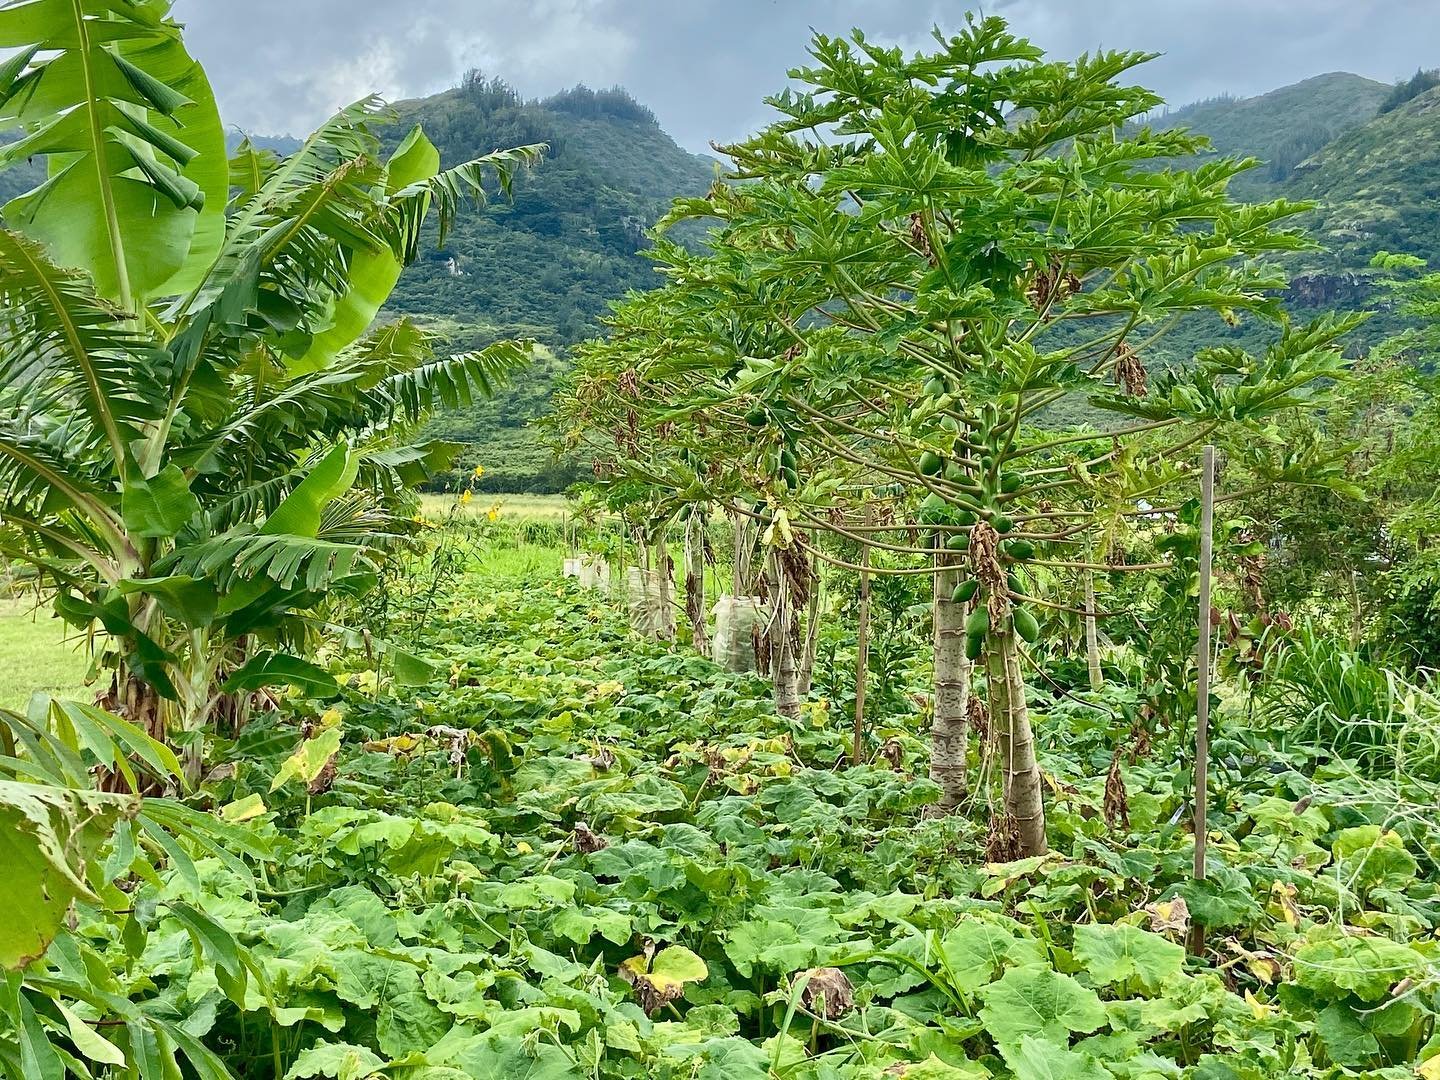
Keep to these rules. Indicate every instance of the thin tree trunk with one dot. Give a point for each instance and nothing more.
(1201, 824)
(950, 724)
(695, 581)
(1357, 616)
(1092, 635)
(812, 630)
(664, 588)
(862, 653)
(742, 577)
(1016, 744)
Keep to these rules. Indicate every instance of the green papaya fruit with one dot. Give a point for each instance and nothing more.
(1025, 624)
(979, 621)
(930, 463)
(756, 417)
(1003, 524)
(974, 645)
(1015, 584)
(1011, 482)
(1020, 549)
(788, 459)
(935, 386)
(957, 541)
(965, 591)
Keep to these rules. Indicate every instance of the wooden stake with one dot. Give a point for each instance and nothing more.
(862, 651)
(1202, 689)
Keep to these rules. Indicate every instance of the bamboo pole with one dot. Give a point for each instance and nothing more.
(1202, 690)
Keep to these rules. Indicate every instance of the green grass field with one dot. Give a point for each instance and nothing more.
(36, 655)
(547, 507)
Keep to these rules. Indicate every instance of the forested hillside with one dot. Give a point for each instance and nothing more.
(1281, 128)
(546, 262)
(1378, 186)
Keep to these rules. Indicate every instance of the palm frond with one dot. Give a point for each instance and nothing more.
(449, 190)
(243, 554)
(63, 348)
(453, 382)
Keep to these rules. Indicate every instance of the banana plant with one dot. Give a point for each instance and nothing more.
(923, 262)
(204, 433)
(73, 853)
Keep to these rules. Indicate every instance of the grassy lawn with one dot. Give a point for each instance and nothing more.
(35, 655)
(510, 506)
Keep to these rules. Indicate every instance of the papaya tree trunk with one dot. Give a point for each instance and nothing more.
(862, 653)
(742, 578)
(1024, 807)
(1092, 635)
(812, 630)
(665, 588)
(784, 673)
(695, 581)
(950, 724)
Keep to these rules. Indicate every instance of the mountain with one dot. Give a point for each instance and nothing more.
(1281, 128)
(545, 262)
(1378, 187)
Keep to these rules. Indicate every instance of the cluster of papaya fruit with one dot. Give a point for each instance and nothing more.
(977, 624)
(979, 492)
(781, 463)
(976, 490)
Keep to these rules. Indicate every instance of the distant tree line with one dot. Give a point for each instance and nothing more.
(492, 94)
(1412, 87)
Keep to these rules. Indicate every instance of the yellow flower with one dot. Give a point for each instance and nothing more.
(522, 848)
(466, 496)
(479, 471)
(493, 514)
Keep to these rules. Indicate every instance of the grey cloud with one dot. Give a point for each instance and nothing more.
(279, 66)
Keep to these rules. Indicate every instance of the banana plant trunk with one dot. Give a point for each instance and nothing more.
(950, 724)
(1020, 772)
(133, 699)
(695, 581)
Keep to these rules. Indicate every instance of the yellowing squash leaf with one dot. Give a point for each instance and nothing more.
(310, 760)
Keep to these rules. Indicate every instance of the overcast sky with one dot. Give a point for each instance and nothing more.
(279, 66)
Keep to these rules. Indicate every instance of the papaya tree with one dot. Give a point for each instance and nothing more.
(643, 404)
(202, 435)
(954, 271)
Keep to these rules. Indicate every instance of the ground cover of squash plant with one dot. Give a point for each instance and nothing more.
(577, 854)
